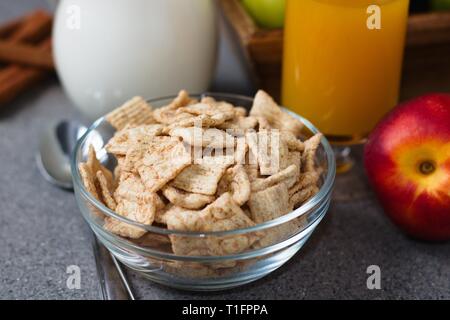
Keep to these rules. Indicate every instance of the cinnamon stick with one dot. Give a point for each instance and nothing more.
(23, 54)
(22, 78)
(9, 27)
(35, 28)
(14, 78)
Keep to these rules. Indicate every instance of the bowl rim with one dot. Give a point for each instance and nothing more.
(314, 201)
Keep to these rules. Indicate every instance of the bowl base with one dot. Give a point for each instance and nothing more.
(257, 270)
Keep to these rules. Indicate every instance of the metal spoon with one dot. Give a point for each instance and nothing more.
(55, 146)
(53, 160)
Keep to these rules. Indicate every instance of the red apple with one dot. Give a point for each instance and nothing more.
(407, 160)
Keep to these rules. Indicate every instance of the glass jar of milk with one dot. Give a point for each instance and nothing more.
(107, 51)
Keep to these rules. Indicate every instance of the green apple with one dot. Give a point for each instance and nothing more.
(440, 4)
(267, 13)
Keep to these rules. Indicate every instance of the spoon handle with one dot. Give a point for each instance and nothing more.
(113, 282)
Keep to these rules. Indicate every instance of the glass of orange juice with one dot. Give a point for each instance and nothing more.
(342, 65)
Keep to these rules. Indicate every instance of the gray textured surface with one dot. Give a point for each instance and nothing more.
(42, 232)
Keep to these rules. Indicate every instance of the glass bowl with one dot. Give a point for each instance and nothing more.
(151, 255)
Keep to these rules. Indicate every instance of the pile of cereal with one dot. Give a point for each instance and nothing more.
(204, 166)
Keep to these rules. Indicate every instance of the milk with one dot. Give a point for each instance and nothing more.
(107, 51)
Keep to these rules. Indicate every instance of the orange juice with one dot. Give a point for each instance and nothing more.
(340, 71)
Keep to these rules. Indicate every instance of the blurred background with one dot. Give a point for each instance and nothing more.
(248, 49)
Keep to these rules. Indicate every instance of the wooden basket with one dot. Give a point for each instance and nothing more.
(427, 54)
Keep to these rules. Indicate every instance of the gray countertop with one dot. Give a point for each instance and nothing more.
(42, 231)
